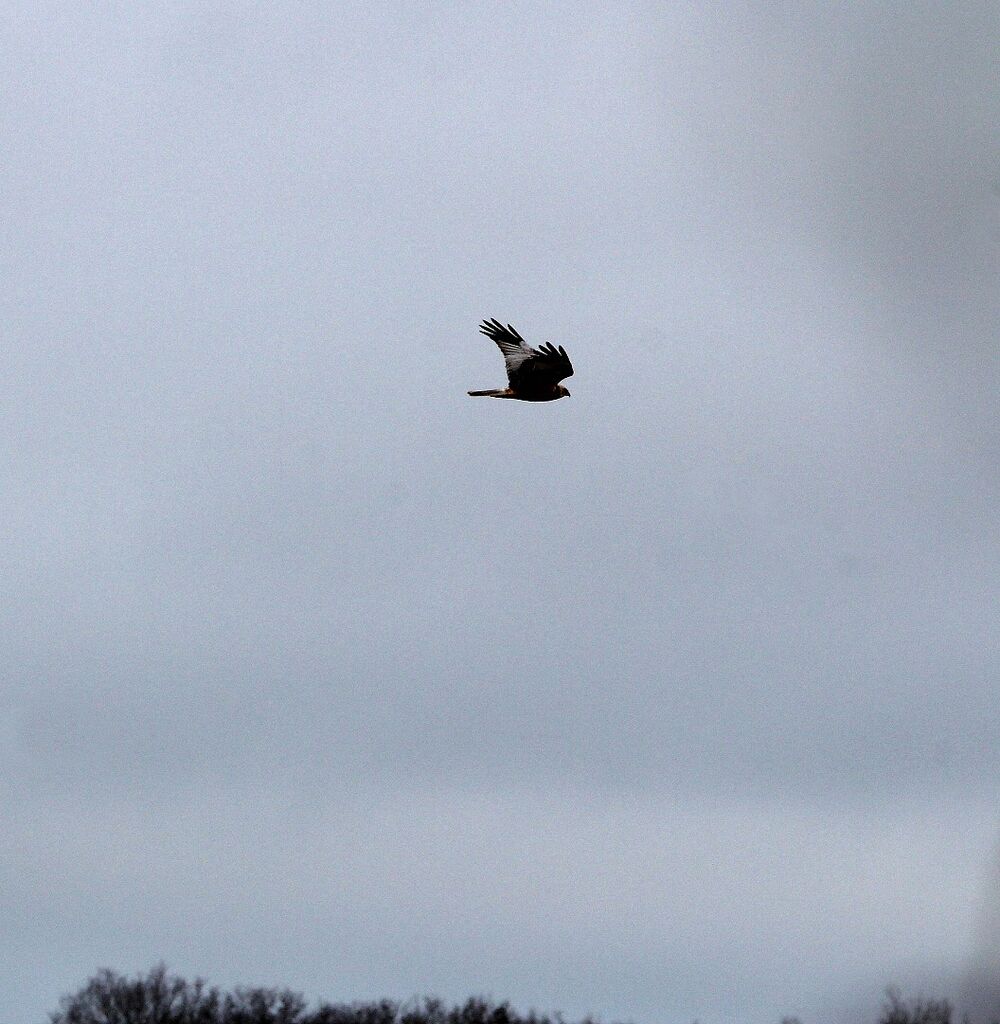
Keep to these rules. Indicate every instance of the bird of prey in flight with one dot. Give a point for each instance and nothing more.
(533, 373)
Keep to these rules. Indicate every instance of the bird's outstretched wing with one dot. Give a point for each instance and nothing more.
(528, 367)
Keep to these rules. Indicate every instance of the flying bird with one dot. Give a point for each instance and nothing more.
(533, 373)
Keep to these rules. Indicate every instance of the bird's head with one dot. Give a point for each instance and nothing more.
(563, 392)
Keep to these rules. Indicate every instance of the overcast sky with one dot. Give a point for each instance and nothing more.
(676, 699)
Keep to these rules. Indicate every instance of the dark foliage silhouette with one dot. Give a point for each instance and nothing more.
(162, 998)
(896, 1010)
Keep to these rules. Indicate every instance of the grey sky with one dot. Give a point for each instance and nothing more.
(674, 700)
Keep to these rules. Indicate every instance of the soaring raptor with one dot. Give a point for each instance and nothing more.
(533, 373)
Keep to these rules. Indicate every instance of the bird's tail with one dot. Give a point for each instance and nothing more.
(495, 393)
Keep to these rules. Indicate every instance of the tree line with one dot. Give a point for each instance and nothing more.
(159, 997)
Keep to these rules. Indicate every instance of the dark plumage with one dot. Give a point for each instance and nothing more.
(533, 373)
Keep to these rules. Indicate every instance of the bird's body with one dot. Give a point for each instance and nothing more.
(533, 374)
